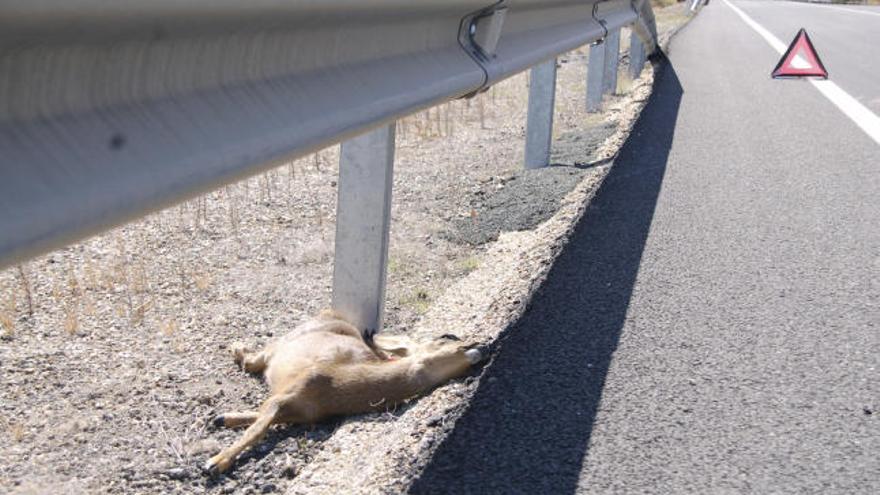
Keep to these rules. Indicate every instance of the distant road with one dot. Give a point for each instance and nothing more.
(847, 38)
(713, 325)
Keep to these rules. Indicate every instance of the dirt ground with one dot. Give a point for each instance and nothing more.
(115, 351)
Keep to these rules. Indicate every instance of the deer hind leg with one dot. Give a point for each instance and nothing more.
(252, 362)
(236, 419)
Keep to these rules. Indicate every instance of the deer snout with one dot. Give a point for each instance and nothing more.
(473, 356)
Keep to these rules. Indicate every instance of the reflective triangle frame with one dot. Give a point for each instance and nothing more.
(784, 70)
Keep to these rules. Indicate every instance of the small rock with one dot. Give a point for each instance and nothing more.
(434, 421)
(269, 488)
(178, 474)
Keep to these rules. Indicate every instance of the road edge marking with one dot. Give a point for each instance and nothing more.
(854, 11)
(838, 7)
(861, 115)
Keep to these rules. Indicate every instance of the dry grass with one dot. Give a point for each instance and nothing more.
(182, 446)
(7, 317)
(169, 328)
(444, 120)
(468, 264)
(202, 281)
(71, 318)
(7, 324)
(16, 432)
(26, 287)
(624, 84)
(418, 300)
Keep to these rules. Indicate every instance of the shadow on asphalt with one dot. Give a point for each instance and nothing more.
(528, 428)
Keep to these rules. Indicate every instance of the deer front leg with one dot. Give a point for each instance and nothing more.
(395, 345)
(252, 362)
(447, 362)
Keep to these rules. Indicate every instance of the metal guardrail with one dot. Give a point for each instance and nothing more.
(111, 110)
(696, 5)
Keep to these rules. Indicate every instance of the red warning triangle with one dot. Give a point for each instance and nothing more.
(800, 60)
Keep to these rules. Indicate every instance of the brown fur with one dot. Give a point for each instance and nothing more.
(325, 368)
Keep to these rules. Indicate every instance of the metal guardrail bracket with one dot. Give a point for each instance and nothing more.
(485, 31)
(602, 24)
(478, 36)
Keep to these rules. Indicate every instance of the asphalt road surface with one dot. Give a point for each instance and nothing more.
(714, 324)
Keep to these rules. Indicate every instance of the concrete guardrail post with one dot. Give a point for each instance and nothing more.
(363, 218)
(539, 126)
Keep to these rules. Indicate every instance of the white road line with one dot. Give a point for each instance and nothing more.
(858, 113)
(856, 11)
(839, 8)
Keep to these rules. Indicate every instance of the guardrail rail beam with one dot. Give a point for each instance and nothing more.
(165, 100)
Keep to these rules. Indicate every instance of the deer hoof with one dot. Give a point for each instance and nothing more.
(238, 352)
(219, 421)
(216, 465)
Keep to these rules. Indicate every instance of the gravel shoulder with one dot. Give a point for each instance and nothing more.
(115, 351)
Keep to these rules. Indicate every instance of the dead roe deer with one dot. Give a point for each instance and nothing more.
(325, 367)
